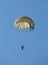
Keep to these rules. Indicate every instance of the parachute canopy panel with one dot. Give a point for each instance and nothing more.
(24, 22)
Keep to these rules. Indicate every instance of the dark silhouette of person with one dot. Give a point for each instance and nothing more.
(22, 47)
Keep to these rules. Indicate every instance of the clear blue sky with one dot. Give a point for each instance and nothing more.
(35, 43)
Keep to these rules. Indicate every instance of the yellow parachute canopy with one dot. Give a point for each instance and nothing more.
(24, 22)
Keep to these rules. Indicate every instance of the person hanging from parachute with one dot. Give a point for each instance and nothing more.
(22, 23)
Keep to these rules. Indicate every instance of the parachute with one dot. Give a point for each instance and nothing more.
(24, 22)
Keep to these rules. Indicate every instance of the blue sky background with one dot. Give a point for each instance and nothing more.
(35, 43)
